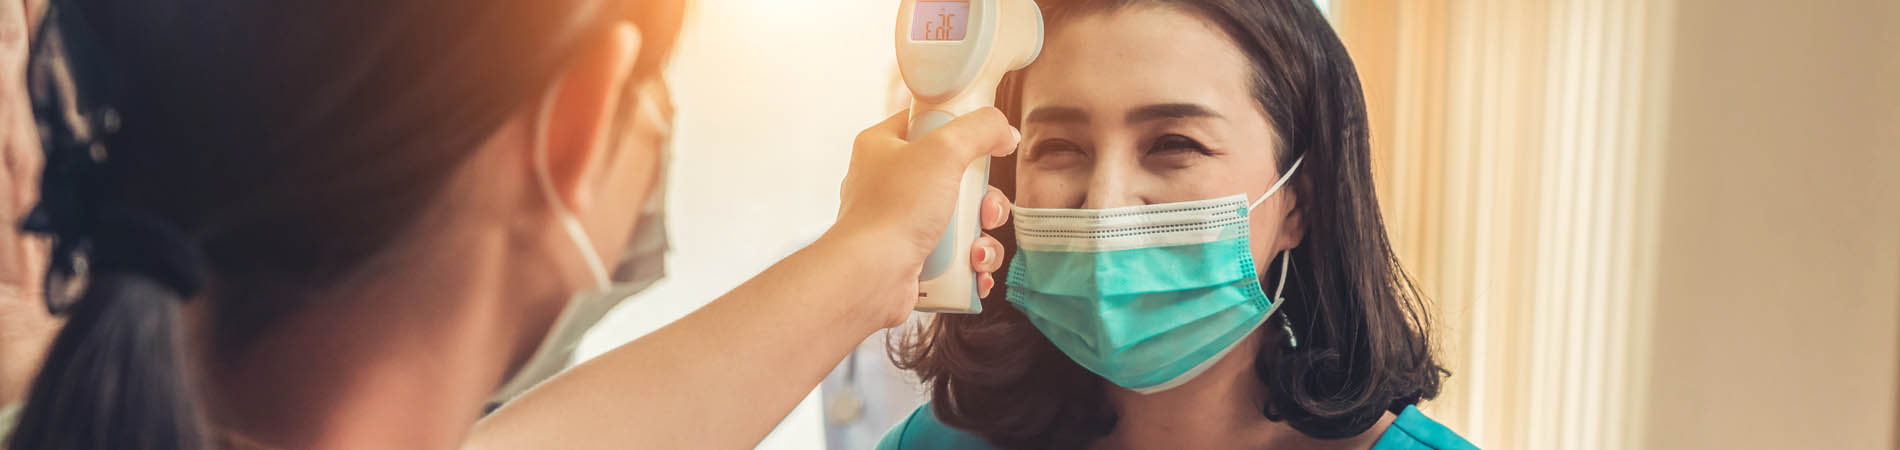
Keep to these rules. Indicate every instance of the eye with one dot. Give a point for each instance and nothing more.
(1054, 148)
(1176, 144)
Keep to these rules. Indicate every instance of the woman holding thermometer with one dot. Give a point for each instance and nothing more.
(349, 224)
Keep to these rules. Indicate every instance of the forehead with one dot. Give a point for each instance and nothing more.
(1137, 55)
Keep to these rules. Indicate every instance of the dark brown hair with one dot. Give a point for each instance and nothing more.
(252, 153)
(1361, 325)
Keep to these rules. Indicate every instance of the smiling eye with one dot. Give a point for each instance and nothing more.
(1054, 147)
(1175, 143)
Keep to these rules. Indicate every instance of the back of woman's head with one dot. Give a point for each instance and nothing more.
(1360, 325)
(252, 153)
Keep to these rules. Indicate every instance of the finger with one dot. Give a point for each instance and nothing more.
(1016, 136)
(970, 136)
(895, 124)
(986, 254)
(995, 210)
(984, 284)
(888, 133)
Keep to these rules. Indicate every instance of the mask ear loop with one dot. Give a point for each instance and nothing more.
(570, 222)
(1286, 256)
(1278, 184)
(1279, 291)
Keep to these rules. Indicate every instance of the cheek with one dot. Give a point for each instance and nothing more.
(1216, 177)
(628, 186)
(1264, 233)
(1047, 189)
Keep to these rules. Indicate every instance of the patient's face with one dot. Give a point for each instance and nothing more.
(1144, 105)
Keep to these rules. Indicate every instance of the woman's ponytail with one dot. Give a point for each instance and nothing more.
(116, 376)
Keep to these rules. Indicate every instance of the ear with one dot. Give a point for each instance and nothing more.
(1293, 229)
(579, 112)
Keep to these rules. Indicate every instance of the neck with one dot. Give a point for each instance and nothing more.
(1219, 409)
(26, 330)
(386, 362)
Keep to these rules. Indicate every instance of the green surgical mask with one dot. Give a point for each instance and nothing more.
(1146, 296)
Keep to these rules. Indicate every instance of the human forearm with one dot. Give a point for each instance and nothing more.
(25, 327)
(723, 376)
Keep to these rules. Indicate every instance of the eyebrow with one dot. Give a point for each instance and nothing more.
(1149, 113)
(1166, 111)
(1056, 114)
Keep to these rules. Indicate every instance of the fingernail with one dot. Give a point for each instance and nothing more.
(983, 256)
(988, 284)
(1018, 134)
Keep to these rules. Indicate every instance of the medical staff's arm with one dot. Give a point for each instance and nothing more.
(26, 328)
(725, 375)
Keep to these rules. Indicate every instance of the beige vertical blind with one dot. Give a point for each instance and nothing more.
(1516, 155)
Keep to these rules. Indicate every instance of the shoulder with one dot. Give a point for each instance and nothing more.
(922, 431)
(9, 416)
(1414, 431)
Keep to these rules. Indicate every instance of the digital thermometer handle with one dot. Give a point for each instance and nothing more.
(948, 282)
(953, 54)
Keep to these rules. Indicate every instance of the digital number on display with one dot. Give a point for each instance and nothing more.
(940, 21)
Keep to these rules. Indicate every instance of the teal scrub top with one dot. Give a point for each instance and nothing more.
(1411, 431)
(9, 416)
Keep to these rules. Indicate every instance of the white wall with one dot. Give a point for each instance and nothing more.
(770, 95)
(1779, 274)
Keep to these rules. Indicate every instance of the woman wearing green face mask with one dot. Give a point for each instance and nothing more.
(1200, 261)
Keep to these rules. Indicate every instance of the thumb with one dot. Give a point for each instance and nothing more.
(886, 134)
(977, 134)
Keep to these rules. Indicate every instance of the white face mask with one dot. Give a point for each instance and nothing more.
(641, 265)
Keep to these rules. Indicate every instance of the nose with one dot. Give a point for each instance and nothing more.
(1111, 185)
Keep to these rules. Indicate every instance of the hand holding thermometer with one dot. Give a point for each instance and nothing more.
(953, 53)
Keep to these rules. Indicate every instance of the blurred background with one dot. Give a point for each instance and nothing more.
(1644, 224)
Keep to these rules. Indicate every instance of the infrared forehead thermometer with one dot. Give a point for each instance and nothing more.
(952, 54)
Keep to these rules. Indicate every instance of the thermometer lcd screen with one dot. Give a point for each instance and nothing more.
(940, 21)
